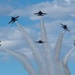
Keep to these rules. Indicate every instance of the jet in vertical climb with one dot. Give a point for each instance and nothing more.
(13, 19)
(65, 27)
(40, 13)
(40, 41)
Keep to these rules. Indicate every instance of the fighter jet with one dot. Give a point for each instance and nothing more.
(13, 19)
(40, 41)
(40, 13)
(65, 27)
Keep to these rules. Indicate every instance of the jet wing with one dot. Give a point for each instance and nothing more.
(36, 13)
(44, 13)
(10, 21)
(61, 24)
(17, 17)
(68, 29)
(43, 42)
(36, 41)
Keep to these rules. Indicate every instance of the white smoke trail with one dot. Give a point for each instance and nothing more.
(47, 49)
(58, 68)
(57, 53)
(66, 57)
(66, 69)
(58, 46)
(23, 59)
(65, 61)
(37, 54)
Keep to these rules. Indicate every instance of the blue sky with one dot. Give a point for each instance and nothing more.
(59, 11)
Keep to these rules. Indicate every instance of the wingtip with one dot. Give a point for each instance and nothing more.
(61, 23)
(69, 30)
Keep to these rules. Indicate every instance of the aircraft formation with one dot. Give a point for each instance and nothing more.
(40, 13)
